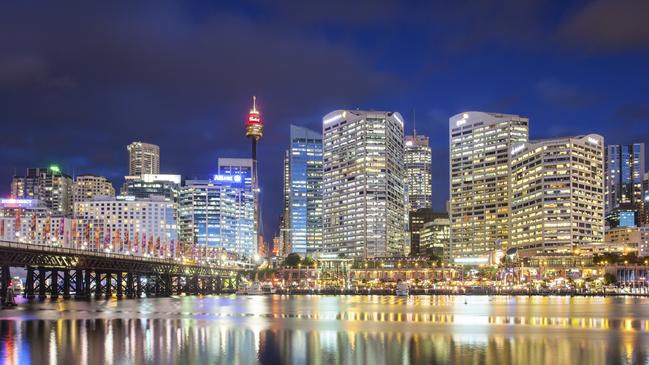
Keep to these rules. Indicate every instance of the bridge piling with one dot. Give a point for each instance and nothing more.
(66, 284)
(118, 284)
(54, 284)
(42, 283)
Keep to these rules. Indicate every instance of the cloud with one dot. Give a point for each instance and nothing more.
(563, 94)
(609, 25)
(96, 78)
(633, 113)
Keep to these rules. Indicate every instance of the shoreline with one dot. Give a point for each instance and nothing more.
(439, 292)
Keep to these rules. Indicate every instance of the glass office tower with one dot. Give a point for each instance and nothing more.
(303, 191)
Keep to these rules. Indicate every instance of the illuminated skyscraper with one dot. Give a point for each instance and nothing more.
(418, 158)
(49, 185)
(624, 169)
(363, 184)
(240, 172)
(557, 194)
(303, 192)
(254, 131)
(88, 186)
(143, 158)
(479, 181)
(217, 213)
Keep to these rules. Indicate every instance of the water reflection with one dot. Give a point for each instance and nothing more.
(328, 330)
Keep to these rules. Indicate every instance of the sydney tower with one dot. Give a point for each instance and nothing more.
(254, 131)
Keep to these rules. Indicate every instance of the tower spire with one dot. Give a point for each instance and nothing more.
(254, 104)
(414, 123)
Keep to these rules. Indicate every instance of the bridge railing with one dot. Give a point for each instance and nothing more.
(118, 256)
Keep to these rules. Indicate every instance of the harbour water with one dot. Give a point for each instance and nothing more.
(310, 329)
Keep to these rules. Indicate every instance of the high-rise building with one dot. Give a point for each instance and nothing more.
(479, 181)
(363, 184)
(143, 158)
(418, 159)
(218, 214)
(416, 221)
(303, 191)
(147, 185)
(49, 185)
(435, 238)
(86, 187)
(624, 195)
(243, 169)
(145, 226)
(557, 194)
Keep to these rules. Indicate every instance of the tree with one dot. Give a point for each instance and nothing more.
(292, 260)
(308, 262)
(609, 279)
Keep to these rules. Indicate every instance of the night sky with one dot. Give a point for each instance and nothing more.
(79, 81)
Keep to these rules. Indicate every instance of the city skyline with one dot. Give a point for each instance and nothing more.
(556, 68)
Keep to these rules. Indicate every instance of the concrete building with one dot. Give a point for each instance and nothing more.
(49, 185)
(303, 192)
(557, 194)
(479, 181)
(418, 159)
(143, 158)
(86, 187)
(30, 221)
(363, 184)
(127, 224)
(218, 214)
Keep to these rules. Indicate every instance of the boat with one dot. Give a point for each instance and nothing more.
(267, 288)
(254, 289)
(403, 290)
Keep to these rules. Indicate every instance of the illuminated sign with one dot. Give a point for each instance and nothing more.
(228, 178)
(594, 141)
(16, 202)
(128, 198)
(254, 118)
(55, 168)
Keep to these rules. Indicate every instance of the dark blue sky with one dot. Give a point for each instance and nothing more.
(79, 81)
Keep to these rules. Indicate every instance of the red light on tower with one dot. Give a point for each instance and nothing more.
(254, 126)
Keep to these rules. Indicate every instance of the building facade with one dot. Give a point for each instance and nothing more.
(418, 159)
(363, 184)
(244, 168)
(479, 181)
(49, 185)
(147, 185)
(143, 158)
(416, 221)
(86, 187)
(625, 169)
(30, 221)
(218, 214)
(624, 193)
(303, 191)
(435, 238)
(127, 224)
(557, 194)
